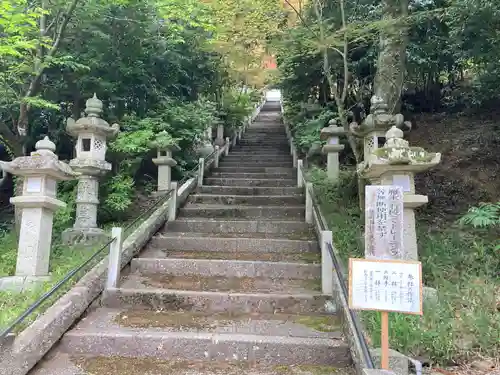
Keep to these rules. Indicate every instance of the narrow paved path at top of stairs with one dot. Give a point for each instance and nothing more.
(230, 287)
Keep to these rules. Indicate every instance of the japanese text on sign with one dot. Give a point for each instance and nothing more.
(384, 222)
(385, 285)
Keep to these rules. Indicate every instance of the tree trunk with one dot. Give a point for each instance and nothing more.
(391, 64)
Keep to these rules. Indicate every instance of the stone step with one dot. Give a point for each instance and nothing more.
(249, 190)
(242, 212)
(258, 169)
(288, 257)
(245, 242)
(59, 363)
(290, 174)
(276, 227)
(263, 144)
(267, 182)
(266, 149)
(257, 158)
(267, 154)
(264, 340)
(260, 200)
(161, 299)
(244, 164)
(234, 268)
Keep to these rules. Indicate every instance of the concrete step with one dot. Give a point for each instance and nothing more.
(202, 225)
(258, 158)
(234, 268)
(242, 212)
(268, 182)
(221, 242)
(261, 200)
(288, 257)
(264, 340)
(59, 363)
(256, 154)
(161, 299)
(290, 174)
(258, 169)
(243, 164)
(263, 144)
(249, 190)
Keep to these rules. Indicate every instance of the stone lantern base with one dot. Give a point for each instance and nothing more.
(21, 283)
(86, 236)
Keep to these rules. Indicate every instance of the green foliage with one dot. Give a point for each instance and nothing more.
(236, 105)
(119, 192)
(483, 216)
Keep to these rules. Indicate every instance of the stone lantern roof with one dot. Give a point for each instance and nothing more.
(397, 155)
(332, 130)
(93, 123)
(43, 161)
(378, 120)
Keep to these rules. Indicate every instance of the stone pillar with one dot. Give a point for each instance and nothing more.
(38, 201)
(91, 133)
(219, 140)
(396, 164)
(332, 148)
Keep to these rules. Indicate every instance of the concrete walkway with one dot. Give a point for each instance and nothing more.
(231, 287)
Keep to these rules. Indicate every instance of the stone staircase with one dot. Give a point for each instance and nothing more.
(230, 287)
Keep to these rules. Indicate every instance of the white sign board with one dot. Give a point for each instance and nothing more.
(383, 222)
(403, 181)
(385, 285)
(34, 185)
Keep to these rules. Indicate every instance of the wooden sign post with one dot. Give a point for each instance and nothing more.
(385, 286)
(383, 281)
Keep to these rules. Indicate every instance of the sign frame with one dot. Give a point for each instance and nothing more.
(420, 286)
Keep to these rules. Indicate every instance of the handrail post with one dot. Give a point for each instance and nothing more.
(216, 161)
(294, 155)
(326, 263)
(228, 142)
(201, 171)
(309, 203)
(300, 178)
(172, 207)
(115, 256)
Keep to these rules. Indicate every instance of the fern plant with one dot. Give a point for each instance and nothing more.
(486, 215)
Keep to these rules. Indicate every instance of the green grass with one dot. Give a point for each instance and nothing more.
(462, 265)
(63, 260)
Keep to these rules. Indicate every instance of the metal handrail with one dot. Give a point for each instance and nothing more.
(338, 268)
(51, 292)
(354, 317)
(10, 328)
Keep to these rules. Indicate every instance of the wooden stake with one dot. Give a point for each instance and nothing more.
(384, 339)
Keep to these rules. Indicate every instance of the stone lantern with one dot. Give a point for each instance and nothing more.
(91, 133)
(396, 163)
(165, 145)
(38, 201)
(206, 148)
(374, 127)
(332, 148)
(219, 140)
